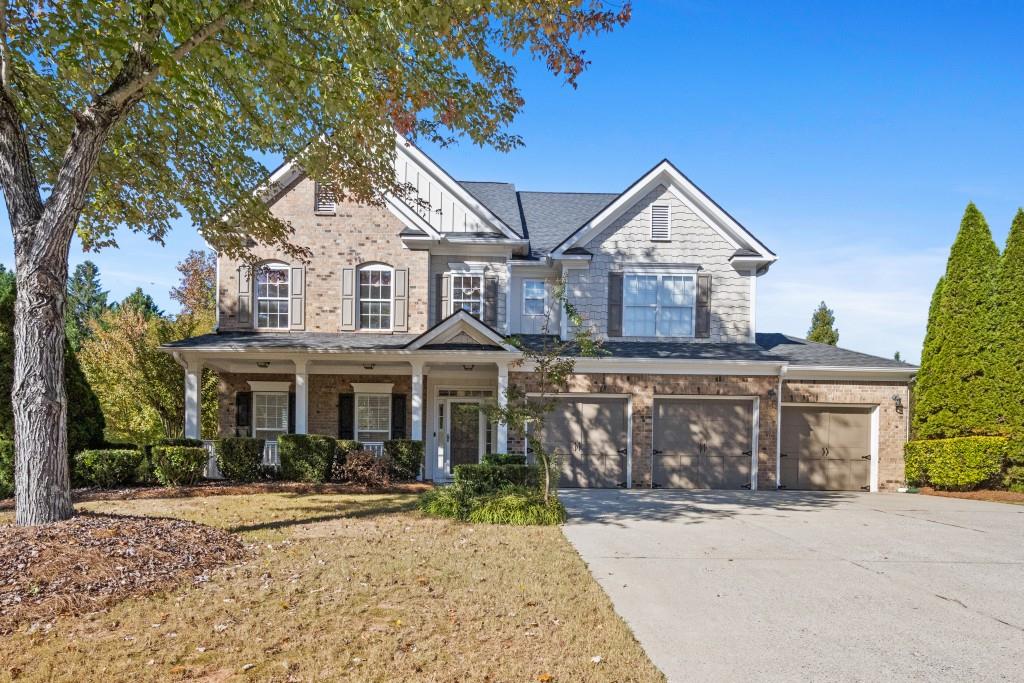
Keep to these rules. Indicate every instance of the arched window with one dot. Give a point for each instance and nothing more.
(376, 294)
(272, 296)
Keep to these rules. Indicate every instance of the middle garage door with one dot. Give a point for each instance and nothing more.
(590, 436)
(702, 443)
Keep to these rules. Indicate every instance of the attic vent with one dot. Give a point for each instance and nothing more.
(660, 231)
(325, 199)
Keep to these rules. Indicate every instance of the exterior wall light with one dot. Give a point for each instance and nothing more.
(263, 364)
(899, 403)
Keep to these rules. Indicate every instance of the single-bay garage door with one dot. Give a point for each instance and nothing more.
(825, 448)
(590, 436)
(702, 443)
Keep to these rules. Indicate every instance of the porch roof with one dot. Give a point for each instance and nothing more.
(291, 341)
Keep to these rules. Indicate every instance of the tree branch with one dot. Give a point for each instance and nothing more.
(5, 50)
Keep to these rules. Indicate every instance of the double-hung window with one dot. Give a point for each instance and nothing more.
(270, 414)
(658, 305)
(534, 297)
(375, 297)
(468, 293)
(272, 287)
(373, 420)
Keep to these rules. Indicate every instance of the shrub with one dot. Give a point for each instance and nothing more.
(958, 464)
(504, 459)
(487, 478)
(364, 468)
(346, 447)
(178, 465)
(454, 501)
(6, 468)
(108, 468)
(240, 458)
(406, 458)
(1014, 478)
(191, 443)
(518, 506)
(306, 457)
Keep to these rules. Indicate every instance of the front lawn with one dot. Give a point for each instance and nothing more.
(348, 587)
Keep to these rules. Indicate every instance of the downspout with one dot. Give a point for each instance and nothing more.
(778, 428)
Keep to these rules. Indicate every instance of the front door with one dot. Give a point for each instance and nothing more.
(461, 426)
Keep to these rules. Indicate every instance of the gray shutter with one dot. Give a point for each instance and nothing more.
(441, 300)
(244, 295)
(400, 316)
(491, 300)
(297, 309)
(348, 299)
(614, 304)
(702, 324)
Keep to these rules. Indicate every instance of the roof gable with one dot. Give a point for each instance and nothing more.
(460, 328)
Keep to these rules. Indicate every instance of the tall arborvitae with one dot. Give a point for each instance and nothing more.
(823, 326)
(952, 389)
(1006, 360)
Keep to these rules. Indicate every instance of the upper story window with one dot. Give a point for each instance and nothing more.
(658, 305)
(325, 199)
(661, 230)
(468, 294)
(272, 296)
(376, 291)
(534, 297)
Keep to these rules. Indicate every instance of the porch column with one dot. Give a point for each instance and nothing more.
(301, 398)
(502, 445)
(193, 378)
(417, 400)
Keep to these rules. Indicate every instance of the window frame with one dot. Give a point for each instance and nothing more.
(370, 268)
(287, 298)
(543, 298)
(356, 431)
(660, 274)
(256, 395)
(452, 277)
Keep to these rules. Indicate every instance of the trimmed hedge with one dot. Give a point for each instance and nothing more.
(240, 458)
(486, 478)
(504, 459)
(178, 465)
(306, 457)
(958, 464)
(406, 458)
(6, 468)
(108, 468)
(191, 443)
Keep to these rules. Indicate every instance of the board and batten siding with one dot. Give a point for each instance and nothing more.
(692, 241)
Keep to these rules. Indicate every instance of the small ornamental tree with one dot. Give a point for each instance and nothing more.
(551, 366)
(953, 392)
(823, 326)
(1006, 367)
(131, 113)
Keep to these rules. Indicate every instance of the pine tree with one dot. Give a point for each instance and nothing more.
(1006, 366)
(952, 390)
(823, 326)
(86, 302)
(897, 357)
(140, 301)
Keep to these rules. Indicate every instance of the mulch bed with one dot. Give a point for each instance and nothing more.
(92, 561)
(226, 488)
(991, 496)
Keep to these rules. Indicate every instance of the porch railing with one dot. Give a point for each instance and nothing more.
(270, 455)
(211, 471)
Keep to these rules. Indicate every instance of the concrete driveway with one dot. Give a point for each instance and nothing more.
(721, 586)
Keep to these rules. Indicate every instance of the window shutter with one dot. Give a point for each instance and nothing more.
(400, 314)
(702, 324)
(660, 223)
(324, 201)
(346, 416)
(443, 292)
(614, 304)
(491, 300)
(348, 299)
(244, 295)
(291, 413)
(243, 413)
(297, 308)
(398, 416)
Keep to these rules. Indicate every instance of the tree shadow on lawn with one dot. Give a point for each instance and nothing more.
(619, 508)
(328, 511)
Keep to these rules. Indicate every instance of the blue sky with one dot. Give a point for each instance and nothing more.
(847, 136)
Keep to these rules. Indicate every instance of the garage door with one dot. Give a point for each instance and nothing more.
(825, 449)
(590, 436)
(702, 444)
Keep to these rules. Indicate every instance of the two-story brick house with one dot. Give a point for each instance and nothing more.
(397, 326)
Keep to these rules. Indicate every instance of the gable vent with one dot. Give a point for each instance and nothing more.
(660, 231)
(325, 200)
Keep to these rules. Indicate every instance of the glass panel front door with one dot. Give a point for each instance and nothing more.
(464, 433)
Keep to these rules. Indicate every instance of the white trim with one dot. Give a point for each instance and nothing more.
(667, 237)
(372, 387)
(661, 273)
(216, 308)
(872, 408)
(259, 385)
(544, 298)
(375, 266)
(827, 404)
(875, 428)
(452, 274)
(663, 366)
(799, 372)
(366, 391)
(755, 423)
(753, 306)
(461, 321)
(778, 429)
(277, 265)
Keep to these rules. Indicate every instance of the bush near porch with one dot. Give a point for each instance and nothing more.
(966, 463)
(306, 457)
(240, 458)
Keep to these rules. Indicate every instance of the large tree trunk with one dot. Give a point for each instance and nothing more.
(42, 480)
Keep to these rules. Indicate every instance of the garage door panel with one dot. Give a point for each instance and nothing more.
(678, 426)
(849, 428)
(677, 470)
(589, 436)
(825, 448)
(702, 443)
(725, 472)
(804, 431)
(593, 471)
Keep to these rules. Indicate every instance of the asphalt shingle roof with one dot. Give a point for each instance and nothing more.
(501, 199)
(311, 341)
(552, 216)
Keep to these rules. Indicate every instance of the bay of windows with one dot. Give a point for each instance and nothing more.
(658, 305)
